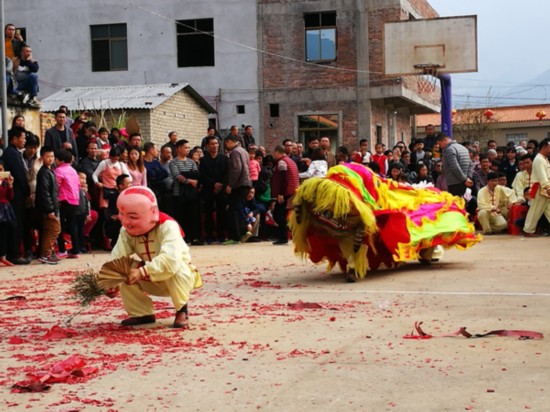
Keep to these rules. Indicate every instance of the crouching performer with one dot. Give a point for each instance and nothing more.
(166, 268)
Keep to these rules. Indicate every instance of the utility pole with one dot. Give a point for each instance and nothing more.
(3, 85)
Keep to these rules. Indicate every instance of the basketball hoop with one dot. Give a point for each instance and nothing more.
(426, 75)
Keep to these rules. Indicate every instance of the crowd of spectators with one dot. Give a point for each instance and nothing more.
(61, 201)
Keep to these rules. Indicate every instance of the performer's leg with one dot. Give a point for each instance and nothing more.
(135, 301)
(179, 288)
(426, 255)
(437, 254)
(536, 210)
(483, 217)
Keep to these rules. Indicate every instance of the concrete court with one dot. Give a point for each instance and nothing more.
(249, 350)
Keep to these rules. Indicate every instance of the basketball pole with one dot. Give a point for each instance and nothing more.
(446, 105)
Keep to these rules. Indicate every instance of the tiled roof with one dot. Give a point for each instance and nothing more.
(505, 114)
(118, 97)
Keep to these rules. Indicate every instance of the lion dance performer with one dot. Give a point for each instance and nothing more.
(361, 221)
(166, 270)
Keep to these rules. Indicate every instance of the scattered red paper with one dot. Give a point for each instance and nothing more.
(30, 386)
(16, 340)
(521, 334)
(57, 333)
(67, 370)
(304, 305)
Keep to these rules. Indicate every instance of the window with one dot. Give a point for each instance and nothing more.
(109, 47)
(274, 110)
(195, 42)
(240, 109)
(318, 126)
(516, 137)
(320, 36)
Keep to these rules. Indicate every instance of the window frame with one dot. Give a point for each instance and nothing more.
(197, 32)
(333, 133)
(516, 137)
(321, 27)
(110, 39)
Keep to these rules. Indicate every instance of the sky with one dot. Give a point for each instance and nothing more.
(513, 52)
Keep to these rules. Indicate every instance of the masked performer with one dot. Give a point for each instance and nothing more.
(166, 271)
(360, 221)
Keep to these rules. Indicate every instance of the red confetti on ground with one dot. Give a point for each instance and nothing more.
(58, 333)
(16, 340)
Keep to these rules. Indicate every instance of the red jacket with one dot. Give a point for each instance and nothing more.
(285, 182)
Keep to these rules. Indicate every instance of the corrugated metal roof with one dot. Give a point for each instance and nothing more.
(117, 97)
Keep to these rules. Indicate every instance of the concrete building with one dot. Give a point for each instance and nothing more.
(323, 72)
(502, 124)
(112, 43)
(291, 69)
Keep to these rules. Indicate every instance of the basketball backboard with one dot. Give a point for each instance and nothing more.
(447, 43)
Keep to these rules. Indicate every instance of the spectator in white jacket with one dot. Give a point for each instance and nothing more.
(318, 166)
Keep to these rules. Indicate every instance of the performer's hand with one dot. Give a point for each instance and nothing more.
(134, 277)
(468, 182)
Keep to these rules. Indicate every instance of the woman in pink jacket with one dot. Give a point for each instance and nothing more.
(68, 183)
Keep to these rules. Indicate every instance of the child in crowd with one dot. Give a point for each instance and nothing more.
(318, 166)
(112, 224)
(254, 166)
(271, 226)
(7, 215)
(102, 139)
(252, 211)
(380, 158)
(47, 203)
(423, 177)
(86, 217)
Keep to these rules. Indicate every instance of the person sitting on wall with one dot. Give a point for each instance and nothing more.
(25, 69)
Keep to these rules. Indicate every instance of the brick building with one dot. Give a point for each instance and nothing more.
(323, 72)
(158, 109)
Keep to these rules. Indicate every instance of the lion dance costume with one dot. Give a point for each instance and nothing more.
(361, 221)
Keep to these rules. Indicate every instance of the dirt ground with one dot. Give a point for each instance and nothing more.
(272, 332)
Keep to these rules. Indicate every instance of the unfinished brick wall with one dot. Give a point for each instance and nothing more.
(181, 113)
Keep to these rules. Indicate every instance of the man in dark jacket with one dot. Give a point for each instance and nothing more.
(88, 165)
(248, 138)
(213, 167)
(238, 184)
(47, 203)
(13, 162)
(60, 136)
